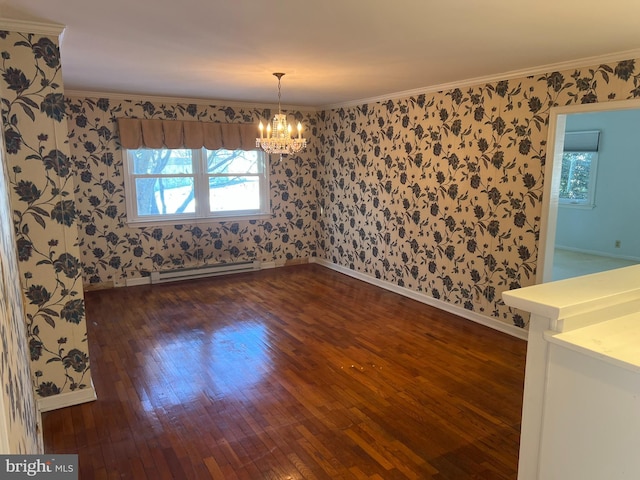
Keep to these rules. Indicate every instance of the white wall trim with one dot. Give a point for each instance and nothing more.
(552, 170)
(606, 106)
(597, 253)
(426, 299)
(25, 26)
(68, 399)
(471, 82)
(132, 282)
(172, 100)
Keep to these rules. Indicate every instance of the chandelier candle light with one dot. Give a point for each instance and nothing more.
(278, 135)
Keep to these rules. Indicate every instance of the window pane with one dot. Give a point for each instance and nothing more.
(227, 161)
(234, 193)
(167, 162)
(575, 177)
(165, 195)
(173, 184)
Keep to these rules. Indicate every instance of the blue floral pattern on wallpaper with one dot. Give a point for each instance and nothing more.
(44, 213)
(21, 417)
(442, 193)
(112, 251)
(439, 193)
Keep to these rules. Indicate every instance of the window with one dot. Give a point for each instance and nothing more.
(166, 185)
(579, 167)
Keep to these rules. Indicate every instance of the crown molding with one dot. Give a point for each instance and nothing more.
(196, 101)
(12, 25)
(526, 72)
(471, 82)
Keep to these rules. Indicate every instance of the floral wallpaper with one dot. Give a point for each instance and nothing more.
(441, 193)
(20, 417)
(112, 252)
(41, 187)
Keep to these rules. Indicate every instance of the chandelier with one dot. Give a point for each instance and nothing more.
(278, 133)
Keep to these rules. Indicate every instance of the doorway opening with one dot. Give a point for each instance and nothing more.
(552, 207)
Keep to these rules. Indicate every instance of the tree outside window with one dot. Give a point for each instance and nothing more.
(577, 178)
(168, 184)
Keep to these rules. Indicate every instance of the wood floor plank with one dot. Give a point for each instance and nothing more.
(290, 373)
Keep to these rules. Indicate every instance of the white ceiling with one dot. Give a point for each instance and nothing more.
(332, 51)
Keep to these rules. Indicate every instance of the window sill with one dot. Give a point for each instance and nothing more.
(580, 206)
(196, 221)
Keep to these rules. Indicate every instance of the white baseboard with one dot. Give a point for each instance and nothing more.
(132, 282)
(426, 299)
(54, 402)
(598, 254)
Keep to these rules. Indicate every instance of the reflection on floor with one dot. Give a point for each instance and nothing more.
(568, 264)
(298, 372)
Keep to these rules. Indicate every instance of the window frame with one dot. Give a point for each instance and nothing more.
(200, 175)
(581, 142)
(590, 201)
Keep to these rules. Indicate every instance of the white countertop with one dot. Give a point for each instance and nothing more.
(615, 341)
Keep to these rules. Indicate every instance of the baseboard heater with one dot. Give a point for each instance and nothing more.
(203, 271)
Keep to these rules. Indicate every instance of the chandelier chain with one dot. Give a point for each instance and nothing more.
(279, 92)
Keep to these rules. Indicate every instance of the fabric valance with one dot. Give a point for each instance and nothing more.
(153, 133)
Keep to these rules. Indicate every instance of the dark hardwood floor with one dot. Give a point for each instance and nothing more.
(291, 373)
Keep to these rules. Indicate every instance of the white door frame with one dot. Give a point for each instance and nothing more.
(553, 167)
